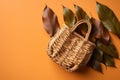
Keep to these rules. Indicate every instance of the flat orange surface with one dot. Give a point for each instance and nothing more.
(23, 41)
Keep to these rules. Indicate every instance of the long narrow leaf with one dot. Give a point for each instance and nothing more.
(108, 60)
(94, 64)
(108, 18)
(69, 17)
(98, 55)
(81, 14)
(50, 21)
(108, 49)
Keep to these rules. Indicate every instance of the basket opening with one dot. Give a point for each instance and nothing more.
(82, 29)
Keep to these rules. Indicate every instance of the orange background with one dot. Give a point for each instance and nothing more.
(23, 41)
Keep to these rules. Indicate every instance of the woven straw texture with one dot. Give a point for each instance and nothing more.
(69, 49)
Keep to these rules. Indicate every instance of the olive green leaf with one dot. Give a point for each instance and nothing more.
(108, 60)
(108, 18)
(69, 17)
(108, 49)
(50, 21)
(98, 55)
(94, 64)
(81, 14)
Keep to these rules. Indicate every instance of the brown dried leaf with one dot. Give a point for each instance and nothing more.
(50, 21)
(99, 32)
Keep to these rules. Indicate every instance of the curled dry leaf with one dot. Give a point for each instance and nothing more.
(99, 32)
(69, 17)
(50, 21)
(108, 18)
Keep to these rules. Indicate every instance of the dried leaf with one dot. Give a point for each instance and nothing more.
(98, 55)
(105, 37)
(94, 64)
(69, 17)
(81, 14)
(108, 49)
(99, 32)
(50, 21)
(108, 18)
(108, 60)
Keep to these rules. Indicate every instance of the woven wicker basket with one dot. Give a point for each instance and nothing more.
(69, 49)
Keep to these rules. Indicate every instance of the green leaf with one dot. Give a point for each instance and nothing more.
(94, 64)
(97, 54)
(108, 60)
(69, 17)
(50, 21)
(81, 14)
(108, 18)
(108, 49)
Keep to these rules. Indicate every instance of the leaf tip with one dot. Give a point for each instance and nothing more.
(63, 6)
(45, 7)
(97, 3)
(75, 5)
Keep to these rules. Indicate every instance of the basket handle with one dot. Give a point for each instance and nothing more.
(81, 22)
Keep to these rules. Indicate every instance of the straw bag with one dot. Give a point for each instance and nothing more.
(69, 49)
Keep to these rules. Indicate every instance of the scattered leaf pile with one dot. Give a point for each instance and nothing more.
(105, 50)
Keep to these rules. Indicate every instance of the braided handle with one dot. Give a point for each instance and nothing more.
(81, 22)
